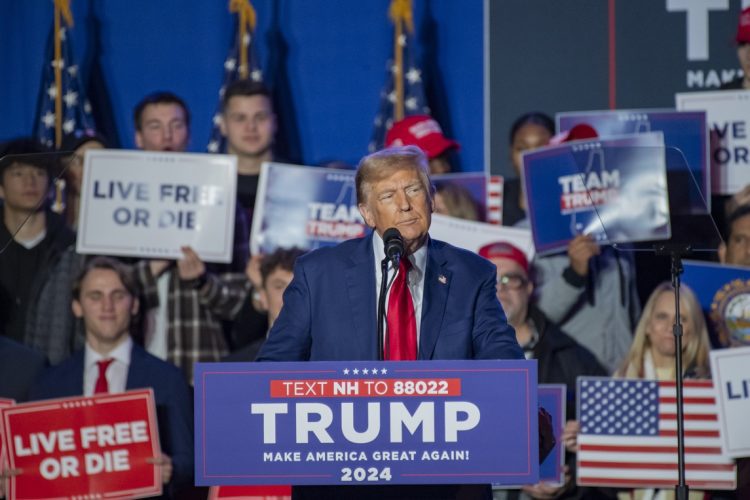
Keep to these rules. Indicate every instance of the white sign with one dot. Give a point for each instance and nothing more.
(472, 236)
(732, 383)
(727, 113)
(149, 204)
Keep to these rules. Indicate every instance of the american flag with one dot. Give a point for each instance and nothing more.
(75, 110)
(628, 435)
(235, 65)
(414, 99)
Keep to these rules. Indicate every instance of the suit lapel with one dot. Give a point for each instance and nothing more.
(437, 282)
(360, 282)
(74, 384)
(137, 376)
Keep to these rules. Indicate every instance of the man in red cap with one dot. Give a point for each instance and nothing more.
(425, 133)
(743, 53)
(560, 359)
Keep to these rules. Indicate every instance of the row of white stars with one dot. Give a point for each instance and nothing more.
(365, 371)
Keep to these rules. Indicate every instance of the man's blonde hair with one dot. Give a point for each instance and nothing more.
(381, 164)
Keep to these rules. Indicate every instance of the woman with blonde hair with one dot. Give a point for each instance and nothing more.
(652, 354)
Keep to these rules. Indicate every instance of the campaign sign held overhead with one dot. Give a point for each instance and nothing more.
(685, 135)
(357, 423)
(306, 207)
(150, 204)
(612, 189)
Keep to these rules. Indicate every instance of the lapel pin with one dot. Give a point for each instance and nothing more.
(442, 279)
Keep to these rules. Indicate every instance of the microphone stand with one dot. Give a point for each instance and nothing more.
(676, 252)
(381, 306)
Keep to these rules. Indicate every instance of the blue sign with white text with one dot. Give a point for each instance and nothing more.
(685, 134)
(306, 207)
(612, 189)
(357, 422)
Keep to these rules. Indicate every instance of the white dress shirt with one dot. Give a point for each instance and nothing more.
(117, 371)
(416, 277)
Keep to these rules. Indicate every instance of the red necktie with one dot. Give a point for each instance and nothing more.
(101, 383)
(401, 343)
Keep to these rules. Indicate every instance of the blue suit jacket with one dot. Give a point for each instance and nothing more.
(330, 313)
(19, 367)
(171, 395)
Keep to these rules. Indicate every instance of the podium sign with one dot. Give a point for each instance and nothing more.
(356, 423)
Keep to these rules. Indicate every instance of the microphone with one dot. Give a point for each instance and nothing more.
(394, 245)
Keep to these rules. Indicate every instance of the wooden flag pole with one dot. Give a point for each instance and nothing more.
(246, 19)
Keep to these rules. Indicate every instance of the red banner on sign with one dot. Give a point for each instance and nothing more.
(81, 447)
(347, 388)
(250, 493)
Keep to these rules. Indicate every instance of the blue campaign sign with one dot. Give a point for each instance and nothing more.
(612, 189)
(307, 207)
(724, 294)
(350, 423)
(685, 137)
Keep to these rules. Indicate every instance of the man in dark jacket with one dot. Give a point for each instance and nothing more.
(38, 261)
(560, 358)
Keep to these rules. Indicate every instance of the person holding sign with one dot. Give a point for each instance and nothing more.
(443, 307)
(561, 360)
(187, 300)
(104, 297)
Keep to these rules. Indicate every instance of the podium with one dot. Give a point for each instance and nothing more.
(366, 423)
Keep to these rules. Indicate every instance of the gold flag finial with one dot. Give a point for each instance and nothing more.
(246, 19)
(401, 10)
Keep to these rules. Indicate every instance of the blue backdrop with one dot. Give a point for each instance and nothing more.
(324, 59)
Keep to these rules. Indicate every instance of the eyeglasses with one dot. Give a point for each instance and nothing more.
(511, 281)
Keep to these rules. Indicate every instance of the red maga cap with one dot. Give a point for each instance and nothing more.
(579, 132)
(503, 250)
(421, 131)
(743, 27)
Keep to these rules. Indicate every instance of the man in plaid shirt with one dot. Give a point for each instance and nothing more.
(186, 300)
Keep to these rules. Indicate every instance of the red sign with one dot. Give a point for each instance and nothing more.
(250, 493)
(4, 403)
(82, 447)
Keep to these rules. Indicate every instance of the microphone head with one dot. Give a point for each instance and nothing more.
(390, 234)
(394, 244)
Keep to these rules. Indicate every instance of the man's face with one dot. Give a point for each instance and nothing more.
(736, 251)
(402, 201)
(272, 294)
(513, 290)
(24, 186)
(163, 128)
(249, 125)
(106, 307)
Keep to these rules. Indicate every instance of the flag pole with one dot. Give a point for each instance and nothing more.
(246, 18)
(400, 13)
(58, 79)
(62, 9)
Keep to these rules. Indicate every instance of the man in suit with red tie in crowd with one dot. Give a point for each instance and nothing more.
(442, 304)
(104, 297)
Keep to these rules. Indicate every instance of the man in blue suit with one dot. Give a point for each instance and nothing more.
(104, 296)
(330, 306)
